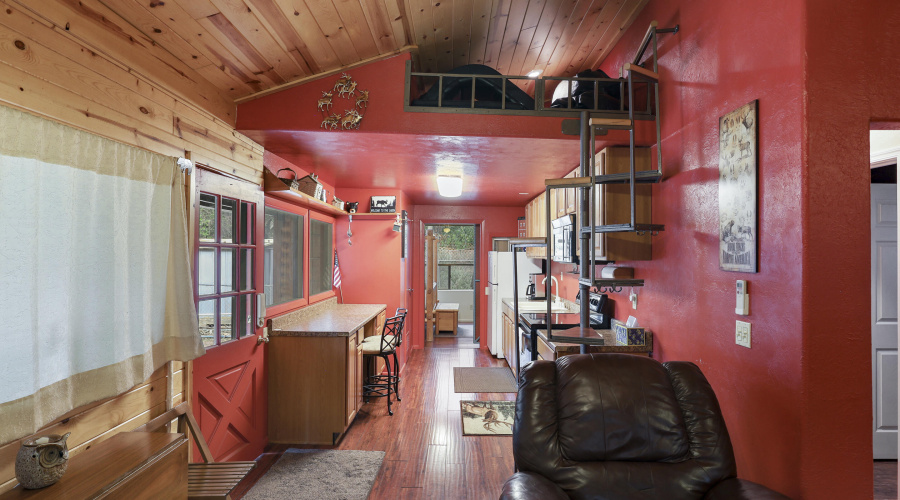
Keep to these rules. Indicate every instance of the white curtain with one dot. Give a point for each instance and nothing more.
(95, 281)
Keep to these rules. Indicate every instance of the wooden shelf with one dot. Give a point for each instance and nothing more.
(272, 185)
(370, 215)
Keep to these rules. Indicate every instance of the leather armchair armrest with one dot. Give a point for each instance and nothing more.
(528, 485)
(741, 489)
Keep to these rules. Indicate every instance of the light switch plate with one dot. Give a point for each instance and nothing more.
(742, 333)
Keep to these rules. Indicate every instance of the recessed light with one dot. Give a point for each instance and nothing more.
(523, 193)
(534, 73)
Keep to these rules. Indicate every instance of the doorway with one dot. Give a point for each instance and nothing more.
(451, 259)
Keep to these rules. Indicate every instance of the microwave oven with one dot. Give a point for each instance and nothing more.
(564, 239)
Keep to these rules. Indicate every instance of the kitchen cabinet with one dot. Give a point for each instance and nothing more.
(536, 223)
(571, 196)
(354, 375)
(612, 205)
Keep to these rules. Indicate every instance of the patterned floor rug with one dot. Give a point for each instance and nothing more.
(487, 418)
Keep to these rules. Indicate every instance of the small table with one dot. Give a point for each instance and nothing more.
(447, 315)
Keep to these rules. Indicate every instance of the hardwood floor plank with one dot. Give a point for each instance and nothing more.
(426, 455)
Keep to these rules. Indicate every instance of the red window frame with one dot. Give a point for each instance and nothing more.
(275, 310)
(252, 238)
(323, 218)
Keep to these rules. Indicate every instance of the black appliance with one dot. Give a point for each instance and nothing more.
(530, 323)
(564, 239)
(530, 291)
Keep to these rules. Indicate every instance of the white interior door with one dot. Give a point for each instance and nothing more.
(884, 320)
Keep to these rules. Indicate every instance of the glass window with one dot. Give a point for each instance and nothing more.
(283, 267)
(224, 269)
(321, 257)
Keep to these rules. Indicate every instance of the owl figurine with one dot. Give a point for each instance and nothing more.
(42, 461)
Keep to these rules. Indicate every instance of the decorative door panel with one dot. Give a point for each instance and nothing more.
(884, 320)
(230, 400)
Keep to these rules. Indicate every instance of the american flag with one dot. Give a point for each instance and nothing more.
(337, 272)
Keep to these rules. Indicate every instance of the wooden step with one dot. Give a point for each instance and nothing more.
(642, 177)
(651, 75)
(625, 228)
(569, 182)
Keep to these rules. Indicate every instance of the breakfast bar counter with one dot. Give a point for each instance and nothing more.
(315, 370)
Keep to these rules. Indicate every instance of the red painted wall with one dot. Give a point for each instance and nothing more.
(798, 404)
(371, 268)
(495, 222)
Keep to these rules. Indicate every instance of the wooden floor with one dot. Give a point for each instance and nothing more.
(885, 480)
(426, 455)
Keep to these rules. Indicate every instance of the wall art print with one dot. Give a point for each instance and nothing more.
(738, 165)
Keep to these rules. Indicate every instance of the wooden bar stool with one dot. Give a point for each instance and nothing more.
(378, 385)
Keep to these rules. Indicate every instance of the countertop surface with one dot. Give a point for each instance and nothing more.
(325, 319)
(609, 342)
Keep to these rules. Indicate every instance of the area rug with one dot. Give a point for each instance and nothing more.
(483, 379)
(487, 418)
(319, 475)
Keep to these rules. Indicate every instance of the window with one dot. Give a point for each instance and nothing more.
(225, 267)
(455, 256)
(283, 266)
(321, 256)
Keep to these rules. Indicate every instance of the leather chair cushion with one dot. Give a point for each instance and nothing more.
(609, 413)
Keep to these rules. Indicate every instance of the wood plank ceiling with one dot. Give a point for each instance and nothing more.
(244, 47)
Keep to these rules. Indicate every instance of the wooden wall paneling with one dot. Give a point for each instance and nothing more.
(602, 27)
(564, 16)
(180, 21)
(90, 421)
(422, 25)
(463, 18)
(59, 79)
(499, 13)
(442, 19)
(283, 33)
(584, 14)
(399, 19)
(532, 20)
(218, 26)
(353, 19)
(600, 13)
(548, 32)
(104, 31)
(380, 24)
(625, 17)
(300, 17)
(196, 8)
(329, 21)
(481, 20)
(511, 34)
(245, 21)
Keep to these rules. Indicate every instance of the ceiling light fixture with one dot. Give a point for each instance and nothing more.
(534, 73)
(449, 186)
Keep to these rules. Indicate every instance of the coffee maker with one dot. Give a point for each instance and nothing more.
(530, 291)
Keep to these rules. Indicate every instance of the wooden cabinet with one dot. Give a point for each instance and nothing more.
(315, 387)
(509, 338)
(536, 224)
(571, 196)
(612, 205)
(354, 375)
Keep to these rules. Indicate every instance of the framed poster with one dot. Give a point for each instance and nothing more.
(383, 204)
(738, 164)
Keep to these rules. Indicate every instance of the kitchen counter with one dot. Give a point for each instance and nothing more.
(609, 343)
(325, 319)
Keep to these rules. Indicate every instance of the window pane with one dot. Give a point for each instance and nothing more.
(321, 259)
(246, 269)
(248, 223)
(283, 243)
(462, 278)
(443, 277)
(207, 316)
(227, 270)
(227, 330)
(207, 217)
(229, 207)
(246, 317)
(206, 271)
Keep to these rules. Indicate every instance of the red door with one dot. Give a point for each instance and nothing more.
(228, 384)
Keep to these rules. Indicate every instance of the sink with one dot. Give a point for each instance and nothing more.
(540, 306)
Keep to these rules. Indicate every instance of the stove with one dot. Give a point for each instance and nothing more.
(530, 323)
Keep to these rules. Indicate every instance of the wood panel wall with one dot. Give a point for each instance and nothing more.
(96, 422)
(79, 63)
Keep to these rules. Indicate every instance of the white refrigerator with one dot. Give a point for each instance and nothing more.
(499, 287)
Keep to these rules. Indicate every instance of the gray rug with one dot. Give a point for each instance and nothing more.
(483, 379)
(319, 475)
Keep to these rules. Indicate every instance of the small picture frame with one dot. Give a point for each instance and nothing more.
(383, 205)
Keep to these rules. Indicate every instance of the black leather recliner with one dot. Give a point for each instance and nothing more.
(618, 426)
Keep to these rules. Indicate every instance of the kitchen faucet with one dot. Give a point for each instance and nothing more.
(549, 290)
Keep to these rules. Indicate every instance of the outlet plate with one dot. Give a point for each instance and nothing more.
(742, 333)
